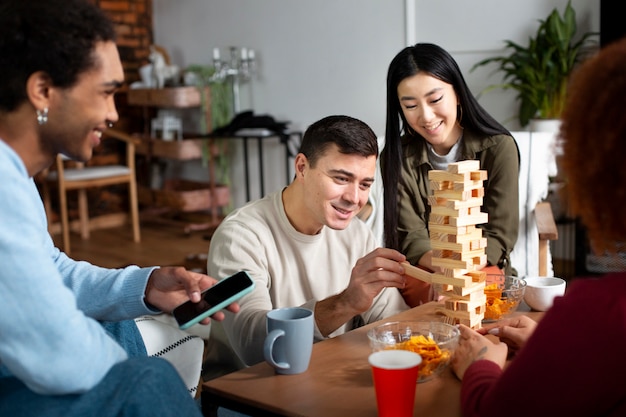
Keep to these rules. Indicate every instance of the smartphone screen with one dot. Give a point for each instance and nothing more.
(214, 299)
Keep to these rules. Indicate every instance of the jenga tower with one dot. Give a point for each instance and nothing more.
(458, 245)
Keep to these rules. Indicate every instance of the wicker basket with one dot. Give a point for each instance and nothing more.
(187, 195)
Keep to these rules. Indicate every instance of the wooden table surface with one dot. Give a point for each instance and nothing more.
(337, 383)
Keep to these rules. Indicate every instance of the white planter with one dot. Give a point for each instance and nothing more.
(545, 125)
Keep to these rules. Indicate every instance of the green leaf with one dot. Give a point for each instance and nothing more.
(539, 71)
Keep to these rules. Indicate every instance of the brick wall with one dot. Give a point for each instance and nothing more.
(133, 21)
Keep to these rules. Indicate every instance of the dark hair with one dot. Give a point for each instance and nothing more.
(351, 135)
(593, 130)
(54, 36)
(437, 62)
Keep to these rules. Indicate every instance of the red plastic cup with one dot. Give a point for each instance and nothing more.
(395, 380)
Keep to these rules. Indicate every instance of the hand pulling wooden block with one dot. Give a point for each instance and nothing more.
(417, 273)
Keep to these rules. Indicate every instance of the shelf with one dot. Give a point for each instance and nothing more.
(172, 97)
(180, 195)
(184, 150)
(186, 195)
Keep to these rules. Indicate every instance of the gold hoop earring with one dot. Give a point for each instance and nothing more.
(42, 116)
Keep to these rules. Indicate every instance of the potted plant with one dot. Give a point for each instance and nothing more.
(221, 111)
(539, 72)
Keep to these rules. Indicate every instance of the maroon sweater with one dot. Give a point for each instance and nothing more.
(573, 365)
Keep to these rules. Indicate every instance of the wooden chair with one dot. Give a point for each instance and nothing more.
(546, 227)
(81, 178)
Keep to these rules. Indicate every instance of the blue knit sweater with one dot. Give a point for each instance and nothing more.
(50, 337)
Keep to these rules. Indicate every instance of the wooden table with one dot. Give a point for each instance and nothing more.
(337, 383)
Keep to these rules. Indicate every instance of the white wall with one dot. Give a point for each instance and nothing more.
(477, 30)
(324, 57)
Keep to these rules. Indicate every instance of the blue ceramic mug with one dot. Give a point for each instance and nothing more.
(289, 339)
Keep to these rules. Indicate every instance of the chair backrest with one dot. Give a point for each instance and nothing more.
(79, 177)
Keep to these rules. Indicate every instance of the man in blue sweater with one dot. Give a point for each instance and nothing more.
(59, 71)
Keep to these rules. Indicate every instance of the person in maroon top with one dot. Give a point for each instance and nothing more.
(572, 361)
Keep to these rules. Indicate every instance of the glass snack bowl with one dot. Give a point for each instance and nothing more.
(434, 341)
(504, 295)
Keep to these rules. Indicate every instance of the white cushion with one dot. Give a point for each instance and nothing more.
(90, 173)
(183, 350)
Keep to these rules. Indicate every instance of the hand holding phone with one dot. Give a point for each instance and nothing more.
(213, 299)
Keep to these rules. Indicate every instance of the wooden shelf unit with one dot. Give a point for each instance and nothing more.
(180, 194)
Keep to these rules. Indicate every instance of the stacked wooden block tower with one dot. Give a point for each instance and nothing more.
(458, 245)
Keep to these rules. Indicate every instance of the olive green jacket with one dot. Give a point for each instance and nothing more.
(499, 156)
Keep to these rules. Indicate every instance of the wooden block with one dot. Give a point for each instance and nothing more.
(480, 260)
(464, 291)
(469, 220)
(455, 185)
(454, 272)
(472, 296)
(467, 185)
(446, 211)
(473, 323)
(447, 229)
(477, 276)
(479, 175)
(441, 185)
(450, 304)
(478, 244)
(472, 254)
(448, 254)
(472, 236)
(457, 204)
(438, 175)
(457, 247)
(444, 237)
(456, 194)
(460, 281)
(475, 237)
(464, 166)
(444, 262)
(459, 314)
(434, 201)
(439, 219)
(416, 272)
(477, 306)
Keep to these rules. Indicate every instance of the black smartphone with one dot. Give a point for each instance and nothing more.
(213, 299)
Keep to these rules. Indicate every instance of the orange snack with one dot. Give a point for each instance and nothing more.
(496, 306)
(431, 354)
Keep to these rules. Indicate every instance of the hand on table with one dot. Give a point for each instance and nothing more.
(171, 286)
(513, 331)
(473, 346)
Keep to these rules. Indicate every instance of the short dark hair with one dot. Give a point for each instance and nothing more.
(352, 137)
(57, 37)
